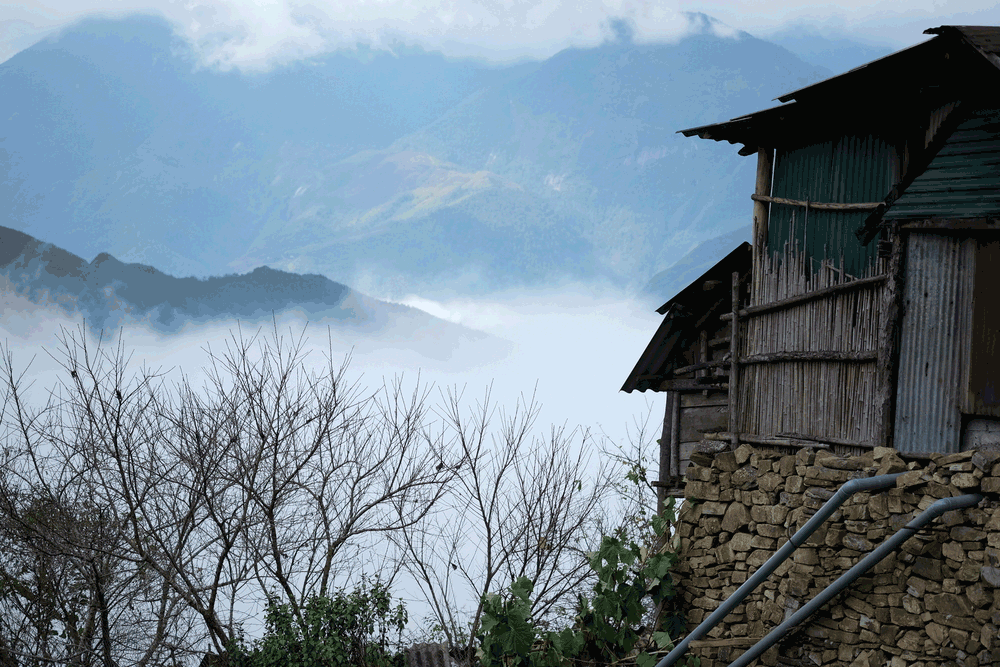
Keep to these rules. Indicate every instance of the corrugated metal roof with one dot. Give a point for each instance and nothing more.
(681, 314)
(934, 342)
(431, 655)
(880, 86)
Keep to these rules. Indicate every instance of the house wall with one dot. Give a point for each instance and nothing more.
(808, 368)
(963, 179)
(846, 169)
(933, 603)
(934, 342)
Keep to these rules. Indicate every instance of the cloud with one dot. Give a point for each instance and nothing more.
(258, 34)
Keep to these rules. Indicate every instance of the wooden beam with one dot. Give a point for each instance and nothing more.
(761, 212)
(693, 384)
(665, 473)
(819, 206)
(810, 355)
(734, 366)
(953, 224)
(675, 437)
(702, 366)
(776, 441)
(805, 298)
(887, 367)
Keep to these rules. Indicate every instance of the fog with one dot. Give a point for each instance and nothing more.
(258, 35)
(572, 348)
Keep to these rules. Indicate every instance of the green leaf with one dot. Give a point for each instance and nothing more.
(644, 660)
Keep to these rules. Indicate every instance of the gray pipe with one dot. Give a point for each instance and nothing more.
(849, 577)
(764, 571)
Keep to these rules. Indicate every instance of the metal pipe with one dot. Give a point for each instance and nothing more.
(764, 571)
(906, 532)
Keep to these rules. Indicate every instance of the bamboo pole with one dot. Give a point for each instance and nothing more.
(734, 366)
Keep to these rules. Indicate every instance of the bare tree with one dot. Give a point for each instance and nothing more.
(269, 481)
(521, 505)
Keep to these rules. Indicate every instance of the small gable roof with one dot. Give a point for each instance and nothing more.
(684, 315)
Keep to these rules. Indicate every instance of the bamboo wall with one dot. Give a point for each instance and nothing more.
(808, 366)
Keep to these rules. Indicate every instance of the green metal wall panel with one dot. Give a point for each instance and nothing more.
(963, 179)
(848, 169)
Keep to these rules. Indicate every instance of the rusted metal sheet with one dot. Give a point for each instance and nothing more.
(934, 345)
(848, 169)
(963, 179)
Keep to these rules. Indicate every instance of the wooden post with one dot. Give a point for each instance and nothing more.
(765, 165)
(675, 437)
(670, 449)
(887, 365)
(665, 453)
(734, 359)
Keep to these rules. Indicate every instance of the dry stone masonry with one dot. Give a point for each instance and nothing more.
(935, 602)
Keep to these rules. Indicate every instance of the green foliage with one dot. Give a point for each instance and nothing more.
(633, 585)
(346, 629)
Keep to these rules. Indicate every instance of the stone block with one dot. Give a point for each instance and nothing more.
(966, 534)
(769, 481)
(928, 568)
(965, 480)
(857, 542)
(911, 479)
(904, 618)
(740, 541)
(951, 604)
(990, 576)
(745, 478)
(735, 518)
(953, 550)
(725, 461)
(743, 453)
(794, 484)
(984, 459)
(968, 571)
(694, 490)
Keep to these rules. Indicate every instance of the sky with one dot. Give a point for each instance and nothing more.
(256, 34)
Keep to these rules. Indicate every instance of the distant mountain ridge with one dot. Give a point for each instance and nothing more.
(110, 293)
(395, 172)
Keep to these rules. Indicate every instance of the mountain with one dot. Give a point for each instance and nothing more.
(667, 283)
(110, 293)
(401, 172)
(837, 52)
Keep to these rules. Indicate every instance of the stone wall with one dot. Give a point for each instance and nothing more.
(936, 601)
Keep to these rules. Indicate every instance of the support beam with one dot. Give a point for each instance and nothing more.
(765, 167)
(887, 367)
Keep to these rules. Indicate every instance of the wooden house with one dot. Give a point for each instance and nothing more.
(868, 316)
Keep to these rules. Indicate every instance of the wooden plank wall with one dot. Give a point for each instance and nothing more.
(807, 351)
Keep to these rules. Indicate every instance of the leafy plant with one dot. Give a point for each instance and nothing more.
(630, 600)
(346, 629)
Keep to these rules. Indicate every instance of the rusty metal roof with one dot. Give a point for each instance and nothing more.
(681, 314)
(880, 86)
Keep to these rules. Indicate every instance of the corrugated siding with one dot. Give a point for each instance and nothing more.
(963, 180)
(848, 169)
(934, 344)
